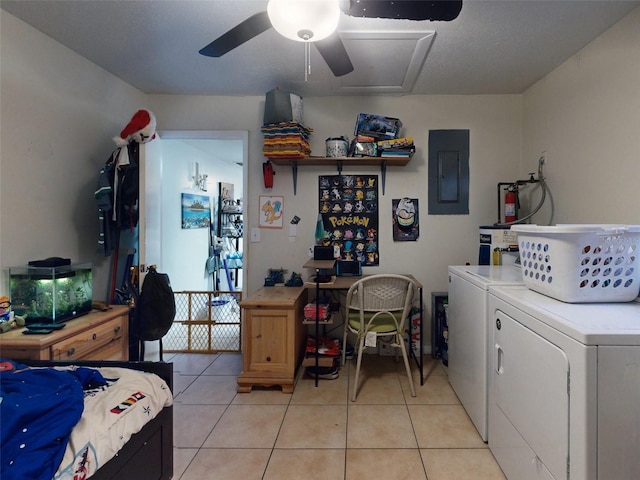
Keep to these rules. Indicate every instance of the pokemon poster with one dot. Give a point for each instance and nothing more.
(348, 205)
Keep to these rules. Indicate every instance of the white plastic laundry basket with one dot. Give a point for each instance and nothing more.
(581, 263)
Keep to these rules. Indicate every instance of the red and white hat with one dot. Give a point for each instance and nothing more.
(141, 128)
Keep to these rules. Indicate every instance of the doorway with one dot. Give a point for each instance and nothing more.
(215, 156)
(194, 165)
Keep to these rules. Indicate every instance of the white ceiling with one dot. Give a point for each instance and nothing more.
(493, 47)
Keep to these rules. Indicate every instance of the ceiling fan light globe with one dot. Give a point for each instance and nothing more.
(304, 20)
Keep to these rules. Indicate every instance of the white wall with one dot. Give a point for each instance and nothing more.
(185, 251)
(586, 115)
(495, 125)
(59, 113)
(494, 122)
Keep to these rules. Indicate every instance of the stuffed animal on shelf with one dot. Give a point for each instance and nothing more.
(8, 320)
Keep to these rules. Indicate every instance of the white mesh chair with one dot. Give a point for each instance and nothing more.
(378, 305)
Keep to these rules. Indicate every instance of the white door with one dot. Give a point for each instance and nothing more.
(530, 390)
(150, 207)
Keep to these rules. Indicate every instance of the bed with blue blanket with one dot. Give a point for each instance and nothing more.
(98, 420)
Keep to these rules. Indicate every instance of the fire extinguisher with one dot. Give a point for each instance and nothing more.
(510, 200)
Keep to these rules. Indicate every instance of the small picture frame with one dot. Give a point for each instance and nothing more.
(271, 212)
(406, 225)
(196, 211)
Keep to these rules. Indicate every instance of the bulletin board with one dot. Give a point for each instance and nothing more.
(348, 205)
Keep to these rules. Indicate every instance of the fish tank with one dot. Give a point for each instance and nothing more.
(51, 294)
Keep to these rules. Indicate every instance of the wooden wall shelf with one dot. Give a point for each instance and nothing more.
(339, 162)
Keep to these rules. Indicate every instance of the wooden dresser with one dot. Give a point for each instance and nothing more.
(273, 337)
(95, 336)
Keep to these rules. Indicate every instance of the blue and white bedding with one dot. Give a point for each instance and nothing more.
(43, 435)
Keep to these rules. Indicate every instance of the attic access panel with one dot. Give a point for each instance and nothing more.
(384, 62)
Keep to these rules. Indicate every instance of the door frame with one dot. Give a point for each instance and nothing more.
(241, 135)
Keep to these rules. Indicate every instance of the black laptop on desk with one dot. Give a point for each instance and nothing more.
(348, 268)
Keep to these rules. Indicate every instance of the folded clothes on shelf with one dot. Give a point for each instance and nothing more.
(321, 311)
(326, 346)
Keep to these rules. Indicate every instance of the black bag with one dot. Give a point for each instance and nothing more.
(156, 307)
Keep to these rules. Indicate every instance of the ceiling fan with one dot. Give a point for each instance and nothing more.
(288, 18)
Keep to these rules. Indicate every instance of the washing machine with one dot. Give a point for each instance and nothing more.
(564, 396)
(468, 334)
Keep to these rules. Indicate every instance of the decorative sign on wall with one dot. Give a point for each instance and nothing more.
(196, 211)
(349, 211)
(405, 219)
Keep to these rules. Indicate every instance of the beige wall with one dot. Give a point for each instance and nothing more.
(59, 112)
(494, 122)
(586, 115)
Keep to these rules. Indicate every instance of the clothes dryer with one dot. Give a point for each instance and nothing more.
(468, 336)
(564, 397)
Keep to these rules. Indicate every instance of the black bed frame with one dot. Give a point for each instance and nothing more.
(148, 455)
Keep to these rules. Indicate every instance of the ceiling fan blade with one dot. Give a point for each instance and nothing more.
(244, 31)
(333, 51)
(444, 10)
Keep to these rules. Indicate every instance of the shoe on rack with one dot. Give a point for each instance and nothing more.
(326, 373)
(349, 353)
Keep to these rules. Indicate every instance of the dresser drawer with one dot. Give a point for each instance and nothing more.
(118, 349)
(86, 343)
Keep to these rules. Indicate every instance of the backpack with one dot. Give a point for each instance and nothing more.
(156, 307)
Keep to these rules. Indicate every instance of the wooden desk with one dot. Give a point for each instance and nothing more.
(274, 336)
(95, 336)
(344, 283)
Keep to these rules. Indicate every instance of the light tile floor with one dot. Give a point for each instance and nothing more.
(317, 432)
